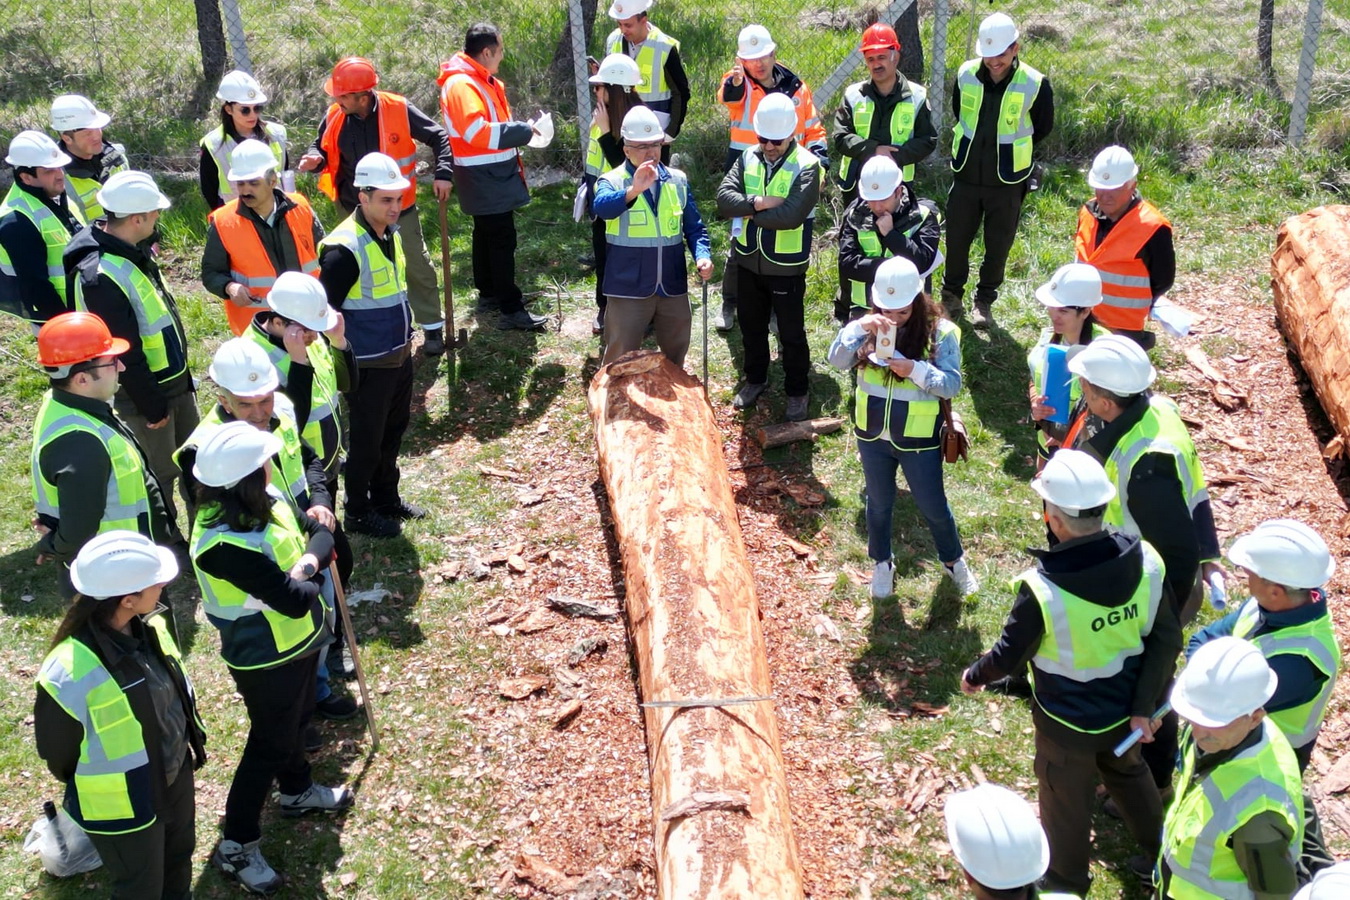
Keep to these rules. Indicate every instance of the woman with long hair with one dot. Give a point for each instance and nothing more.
(1068, 297)
(241, 105)
(909, 360)
(116, 718)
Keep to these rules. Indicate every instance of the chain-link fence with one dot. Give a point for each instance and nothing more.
(1225, 73)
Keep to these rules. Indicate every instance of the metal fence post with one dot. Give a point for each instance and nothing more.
(1307, 65)
(234, 27)
(582, 73)
(937, 82)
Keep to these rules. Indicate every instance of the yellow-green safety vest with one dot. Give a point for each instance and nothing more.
(376, 308)
(1159, 431)
(641, 226)
(220, 146)
(322, 431)
(288, 475)
(870, 242)
(791, 247)
(1315, 641)
(595, 157)
(1036, 363)
(651, 62)
(902, 127)
(83, 192)
(897, 408)
(162, 339)
(54, 235)
(1014, 120)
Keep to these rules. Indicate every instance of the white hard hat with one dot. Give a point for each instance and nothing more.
(242, 367)
(754, 42)
(996, 837)
(301, 298)
(1286, 552)
(896, 284)
(35, 149)
(997, 33)
(71, 112)
(1074, 481)
(233, 451)
(1329, 884)
(380, 172)
(1077, 284)
(117, 563)
(618, 68)
(240, 87)
(1116, 364)
(776, 117)
(251, 159)
(879, 179)
(641, 126)
(128, 193)
(1227, 678)
(626, 9)
(1113, 167)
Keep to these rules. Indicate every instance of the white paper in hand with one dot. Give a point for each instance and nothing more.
(1175, 320)
(543, 127)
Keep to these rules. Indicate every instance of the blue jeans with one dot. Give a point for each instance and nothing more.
(923, 472)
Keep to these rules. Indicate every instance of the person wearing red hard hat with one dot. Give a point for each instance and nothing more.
(364, 120)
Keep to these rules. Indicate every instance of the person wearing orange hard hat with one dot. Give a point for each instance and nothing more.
(363, 120)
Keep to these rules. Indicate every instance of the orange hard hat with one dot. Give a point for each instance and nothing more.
(355, 73)
(879, 37)
(76, 337)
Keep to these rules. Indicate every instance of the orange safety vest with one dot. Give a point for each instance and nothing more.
(473, 117)
(249, 263)
(1127, 295)
(395, 142)
(742, 113)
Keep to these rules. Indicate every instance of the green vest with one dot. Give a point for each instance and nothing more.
(1014, 120)
(870, 242)
(641, 226)
(128, 504)
(1159, 431)
(1209, 808)
(902, 127)
(790, 247)
(1036, 363)
(897, 409)
(54, 237)
(220, 146)
(252, 634)
(376, 307)
(83, 192)
(288, 471)
(322, 430)
(651, 62)
(1315, 641)
(162, 339)
(595, 157)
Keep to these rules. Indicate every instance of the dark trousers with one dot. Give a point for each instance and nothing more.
(279, 702)
(923, 473)
(759, 297)
(599, 249)
(1066, 785)
(156, 863)
(969, 206)
(494, 261)
(381, 407)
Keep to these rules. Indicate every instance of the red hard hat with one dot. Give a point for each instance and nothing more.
(76, 337)
(355, 73)
(879, 37)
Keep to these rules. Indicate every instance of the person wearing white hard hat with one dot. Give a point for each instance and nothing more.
(1004, 108)
(260, 233)
(665, 87)
(114, 276)
(37, 220)
(116, 719)
(1129, 241)
(998, 843)
(1092, 620)
(1329, 884)
(756, 74)
(1235, 827)
(1070, 297)
(909, 362)
(650, 217)
(241, 105)
(888, 219)
(489, 174)
(93, 159)
(260, 568)
(773, 188)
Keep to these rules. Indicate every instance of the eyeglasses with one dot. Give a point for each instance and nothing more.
(631, 146)
(770, 141)
(248, 110)
(107, 365)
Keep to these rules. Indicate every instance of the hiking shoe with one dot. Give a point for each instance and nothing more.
(245, 864)
(725, 320)
(433, 343)
(402, 510)
(883, 580)
(598, 326)
(316, 798)
(959, 572)
(952, 304)
(982, 315)
(341, 664)
(372, 523)
(313, 740)
(1141, 867)
(747, 395)
(335, 707)
(521, 320)
(487, 304)
(796, 408)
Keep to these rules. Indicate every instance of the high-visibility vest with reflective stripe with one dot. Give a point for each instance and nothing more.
(376, 309)
(743, 136)
(1086, 642)
(789, 247)
(252, 634)
(870, 242)
(1209, 808)
(127, 505)
(595, 157)
(901, 127)
(1036, 363)
(162, 339)
(83, 192)
(54, 235)
(395, 142)
(1315, 641)
(651, 62)
(249, 263)
(1127, 294)
(322, 430)
(1014, 120)
(641, 226)
(1159, 431)
(897, 407)
(288, 470)
(111, 791)
(465, 73)
(220, 146)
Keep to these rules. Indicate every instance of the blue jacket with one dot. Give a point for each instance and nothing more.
(649, 271)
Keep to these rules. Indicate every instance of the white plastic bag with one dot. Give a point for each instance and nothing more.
(543, 126)
(63, 846)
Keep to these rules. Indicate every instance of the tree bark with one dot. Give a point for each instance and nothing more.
(911, 45)
(719, 793)
(1265, 28)
(771, 436)
(211, 39)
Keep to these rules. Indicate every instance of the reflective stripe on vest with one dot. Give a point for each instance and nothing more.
(465, 153)
(790, 247)
(322, 431)
(743, 135)
(395, 142)
(288, 470)
(379, 296)
(220, 146)
(54, 236)
(641, 226)
(164, 345)
(595, 157)
(82, 192)
(651, 59)
(249, 263)
(1314, 641)
(1159, 431)
(1014, 120)
(882, 403)
(901, 127)
(1127, 293)
(872, 248)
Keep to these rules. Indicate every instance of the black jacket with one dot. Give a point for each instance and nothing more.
(982, 164)
(847, 142)
(920, 248)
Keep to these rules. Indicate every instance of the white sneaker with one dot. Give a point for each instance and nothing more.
(245, 864)
(316, 798)
(959, 572)
(883, 579)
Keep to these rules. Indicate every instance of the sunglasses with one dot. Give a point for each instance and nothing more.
(770, 141)
(248, 110)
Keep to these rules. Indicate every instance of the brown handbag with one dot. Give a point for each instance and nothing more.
(952, 435)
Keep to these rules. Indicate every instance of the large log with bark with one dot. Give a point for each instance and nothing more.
(719, 795)
(1310, 275)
